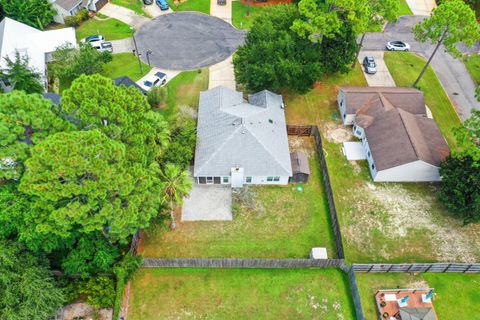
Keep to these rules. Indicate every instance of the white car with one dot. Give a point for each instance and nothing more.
(158, 79)
(102, 46)
(397, 46)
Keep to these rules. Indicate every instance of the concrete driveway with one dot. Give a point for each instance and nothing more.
(122, 45)
(223, 12)
(208, 203)
(154, 11)
(125, 15)
(451, 72)
(187, 40)
(170, 75)
(222, 74)
(382, 78)
(421, 7)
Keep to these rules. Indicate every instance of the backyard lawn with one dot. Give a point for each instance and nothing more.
(191, 5)
(134, 5)
(385, 222)
(125, 64)
(457, 294)
(473, 65)
(240, 294)
(111, 29)
(184, 90)
(286, 223)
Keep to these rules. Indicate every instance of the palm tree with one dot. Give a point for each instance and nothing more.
(176, 185)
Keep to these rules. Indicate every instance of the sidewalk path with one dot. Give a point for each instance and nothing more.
(221, 74)
(123, 14)
(421, 7)
(382, 78)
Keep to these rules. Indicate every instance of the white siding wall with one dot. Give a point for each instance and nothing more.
(368, 153)
(347, 119)
(418, 171)
(263, 180)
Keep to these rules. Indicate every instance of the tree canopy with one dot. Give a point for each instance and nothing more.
(80, 180)
(35, 13)
(71, 62)
(123, 114)
(27, 289)
(25, 120)
(275, 57)
(20, 76)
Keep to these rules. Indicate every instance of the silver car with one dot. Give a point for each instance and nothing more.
(369, 65)
(397, 46)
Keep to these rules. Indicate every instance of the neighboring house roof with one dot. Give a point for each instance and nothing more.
(68, 4)
(397, 137)
(408, 99)
(55, 98)
(31, 42)
(127, 82)
(417, 314)
(299, 163)
(233, 132)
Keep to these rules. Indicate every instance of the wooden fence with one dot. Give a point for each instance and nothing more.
(315, 133)
(240, 263)
(418, 267)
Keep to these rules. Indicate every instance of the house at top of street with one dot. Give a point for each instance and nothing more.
(28, 41)
(68, 8)
(400, 142)
(241, 142)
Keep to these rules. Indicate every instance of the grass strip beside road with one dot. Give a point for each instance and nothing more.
(202, 6)
(125, 64)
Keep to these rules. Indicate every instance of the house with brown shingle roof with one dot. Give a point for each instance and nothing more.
(400, 142)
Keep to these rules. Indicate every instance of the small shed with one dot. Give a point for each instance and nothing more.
(300, 167)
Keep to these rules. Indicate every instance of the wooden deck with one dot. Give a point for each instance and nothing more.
(392, 307)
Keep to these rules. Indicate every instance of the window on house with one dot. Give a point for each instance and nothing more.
(225, 179)
(249, 180)
(276, 178)
(269, 179)
(344, 116)
(373, 166)
(368, 153)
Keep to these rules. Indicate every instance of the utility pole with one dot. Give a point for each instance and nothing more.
(136, 50)
(148, 56)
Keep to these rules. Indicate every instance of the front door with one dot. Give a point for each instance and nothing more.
(209, 180)
(237, 177)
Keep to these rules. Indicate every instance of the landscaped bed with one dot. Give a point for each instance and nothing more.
(457, 295)
(111, 29)
(240, 294)
(286, 223)
(386, 222)
(190, 5)
(125, 64)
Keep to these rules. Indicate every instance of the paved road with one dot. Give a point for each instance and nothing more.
(187, 40)
(452, 73)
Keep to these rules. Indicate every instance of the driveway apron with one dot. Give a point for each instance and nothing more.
(123, 14)
(382, 78)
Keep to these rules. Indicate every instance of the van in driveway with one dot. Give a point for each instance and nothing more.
(102, 46)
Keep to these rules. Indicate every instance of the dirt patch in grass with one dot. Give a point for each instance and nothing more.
(336, 132)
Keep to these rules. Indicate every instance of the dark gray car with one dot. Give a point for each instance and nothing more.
(369, 65)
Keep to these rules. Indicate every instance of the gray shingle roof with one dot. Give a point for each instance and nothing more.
(68, 4)
(233, 132)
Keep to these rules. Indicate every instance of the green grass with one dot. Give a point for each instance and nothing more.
(239, 14)
(191, 5)
(111, 29)
(367, 223)
(125, 64)
(292, 223)
(134, 5)
(405, 67)
(472, 63)
(404, 9)
(240, 294)
(184, 90)
(456, 294)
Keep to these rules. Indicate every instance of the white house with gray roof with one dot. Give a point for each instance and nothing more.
(241, 142)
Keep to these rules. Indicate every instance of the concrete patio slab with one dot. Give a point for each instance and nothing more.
(382, 78)
(208, 203)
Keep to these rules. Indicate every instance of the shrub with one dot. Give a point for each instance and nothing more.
(182, 145)
(100, 292)
(77, 19)
(157, 96)
(71, 21)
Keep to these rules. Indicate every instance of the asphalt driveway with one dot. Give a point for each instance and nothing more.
(187, 40)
